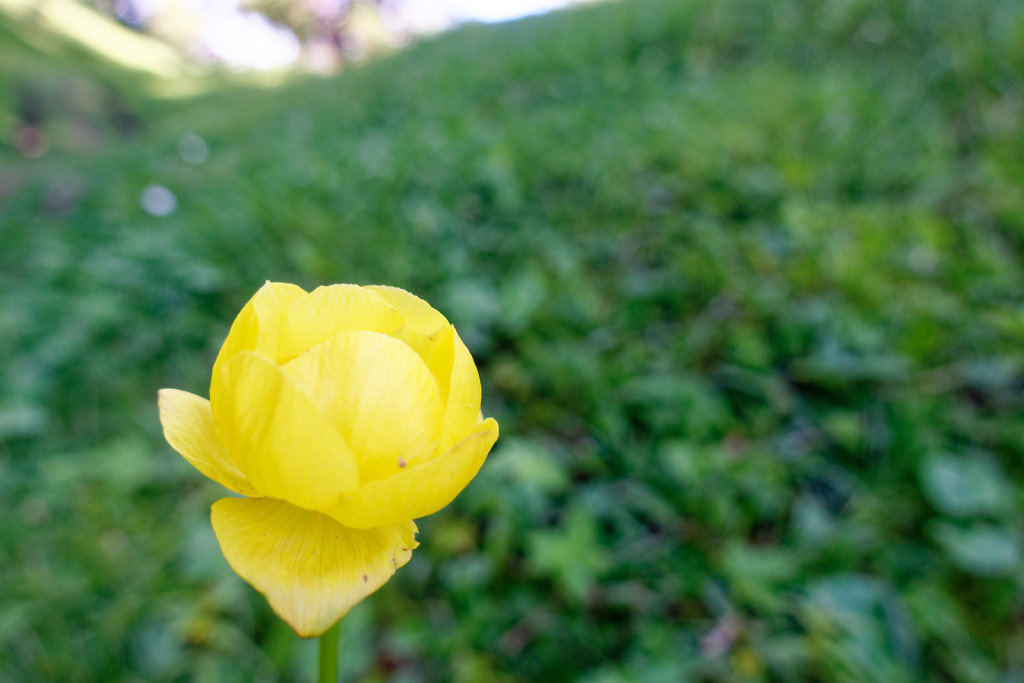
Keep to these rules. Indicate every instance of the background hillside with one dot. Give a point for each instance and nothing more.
(743, 279)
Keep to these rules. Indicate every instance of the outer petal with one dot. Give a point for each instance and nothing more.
(463, 396)
(278, 436)
(416, 312)
(421, 490)
(430, 334)
(312, 569)
(379, 394)
(189, 428)
(271, 300)
(422, 323)
(440, 356)
(328, 311)
(273, 304)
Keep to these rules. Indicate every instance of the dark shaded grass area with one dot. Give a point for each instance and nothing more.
(744, 283)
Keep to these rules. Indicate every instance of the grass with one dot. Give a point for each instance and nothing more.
(743, 280)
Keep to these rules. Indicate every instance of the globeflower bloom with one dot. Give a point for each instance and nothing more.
(341, 415)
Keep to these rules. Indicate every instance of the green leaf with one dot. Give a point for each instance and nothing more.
(964, 486)
(980, 549)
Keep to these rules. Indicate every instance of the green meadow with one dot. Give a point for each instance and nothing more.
(743, 280)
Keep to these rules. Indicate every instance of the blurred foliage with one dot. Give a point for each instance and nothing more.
(744, 282)
(71, 99)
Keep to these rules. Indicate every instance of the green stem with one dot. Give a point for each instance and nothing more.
(329, 655)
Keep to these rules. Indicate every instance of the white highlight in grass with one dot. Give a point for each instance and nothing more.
(157, 200)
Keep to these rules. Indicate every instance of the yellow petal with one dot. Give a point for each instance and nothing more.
(440, 356)
(273, 305)
(328, 311)
(421, 490)
(421, 322)
(312, 569)
(379, 394)
(416, 312)
(278, 436)
(459, 384)
(271, 299)
(430, 334)
(189, 428)
(463, 397)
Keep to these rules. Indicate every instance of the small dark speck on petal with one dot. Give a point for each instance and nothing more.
(365, 578)
(402, 463)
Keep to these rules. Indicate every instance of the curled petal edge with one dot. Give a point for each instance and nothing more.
(420, 490)
(189, 428)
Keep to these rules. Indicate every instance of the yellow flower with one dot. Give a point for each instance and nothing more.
(342, 415)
